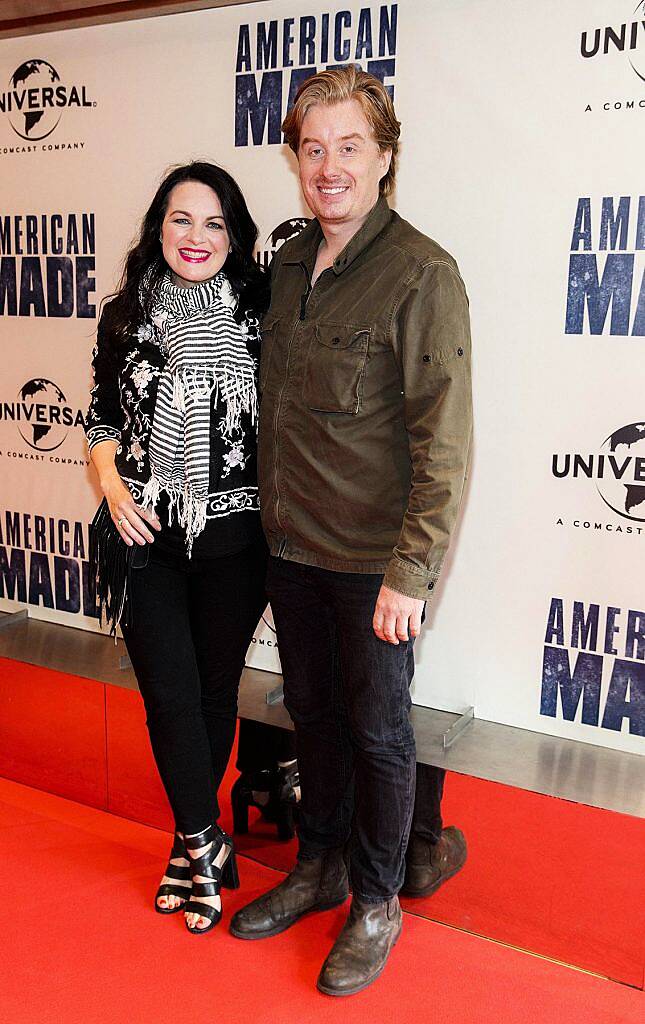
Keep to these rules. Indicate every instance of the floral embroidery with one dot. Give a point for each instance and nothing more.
(142, 376)
(145, 332)
(137, 450)
(235, 456)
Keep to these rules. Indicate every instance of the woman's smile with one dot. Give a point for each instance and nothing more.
(195, 255)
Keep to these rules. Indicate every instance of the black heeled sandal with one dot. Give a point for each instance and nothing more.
(178, 872)
(217, 876)
(278, 808)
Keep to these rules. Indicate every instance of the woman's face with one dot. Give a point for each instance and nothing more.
(194, 237)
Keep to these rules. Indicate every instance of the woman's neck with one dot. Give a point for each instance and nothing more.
(181, 282)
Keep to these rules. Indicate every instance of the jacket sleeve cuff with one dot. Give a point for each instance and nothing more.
(101, 432)
(410, 580)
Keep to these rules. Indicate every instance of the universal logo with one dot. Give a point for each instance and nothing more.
(617, 469)
(628, 38)
(283, 233)
(36, 98)
(42, 414)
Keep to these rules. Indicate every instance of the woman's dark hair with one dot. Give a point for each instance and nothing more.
(144, 265)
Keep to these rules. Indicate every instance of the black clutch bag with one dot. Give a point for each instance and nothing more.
(110, 561)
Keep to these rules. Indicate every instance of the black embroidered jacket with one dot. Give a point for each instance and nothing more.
(126, 377)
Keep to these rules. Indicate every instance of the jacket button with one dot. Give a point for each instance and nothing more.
(335, 341)
(430, 586)
(460, 351)
(426, 359)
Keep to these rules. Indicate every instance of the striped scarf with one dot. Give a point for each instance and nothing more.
(206, 356)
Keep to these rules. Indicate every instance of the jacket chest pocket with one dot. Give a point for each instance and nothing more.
(335, 367)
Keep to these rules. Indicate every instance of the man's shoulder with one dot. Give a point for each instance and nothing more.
(415, 248)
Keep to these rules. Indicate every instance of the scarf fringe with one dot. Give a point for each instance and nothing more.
(194, 384)
(189, 509)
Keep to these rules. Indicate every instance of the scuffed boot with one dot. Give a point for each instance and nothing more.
(428, 865)
(318, 884)
(361, 950)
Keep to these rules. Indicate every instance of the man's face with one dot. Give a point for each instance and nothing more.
(340, 163)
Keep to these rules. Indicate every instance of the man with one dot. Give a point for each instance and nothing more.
(365, 428)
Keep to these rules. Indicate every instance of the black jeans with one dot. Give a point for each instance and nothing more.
(192, 622)
(348, 695)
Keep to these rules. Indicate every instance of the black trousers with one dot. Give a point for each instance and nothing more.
(192, 622)
(426, 820)
(261, 746)
(348, 695)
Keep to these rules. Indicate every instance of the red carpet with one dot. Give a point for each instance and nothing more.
(82, 945)
(559, 878)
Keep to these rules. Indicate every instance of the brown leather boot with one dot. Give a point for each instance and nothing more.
(428, 866)
(312, 885)
(360, 952)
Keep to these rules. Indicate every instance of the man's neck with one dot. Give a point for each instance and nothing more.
(337, 234)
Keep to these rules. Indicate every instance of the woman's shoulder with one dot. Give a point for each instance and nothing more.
(254, 297)
(109, 323)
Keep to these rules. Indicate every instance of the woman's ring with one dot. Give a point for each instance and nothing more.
(121, 521)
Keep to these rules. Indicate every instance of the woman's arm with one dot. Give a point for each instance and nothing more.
(103, 432)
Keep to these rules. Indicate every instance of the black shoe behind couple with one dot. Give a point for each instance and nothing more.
(275, 793)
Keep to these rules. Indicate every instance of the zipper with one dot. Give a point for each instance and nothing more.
(304, 298)
(303, 302)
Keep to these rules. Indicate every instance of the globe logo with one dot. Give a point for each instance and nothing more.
(624, 490)
(637, 56)
(32, 112)
(285, 231)
(44, 419)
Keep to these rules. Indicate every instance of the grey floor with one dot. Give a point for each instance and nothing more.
(557, 767)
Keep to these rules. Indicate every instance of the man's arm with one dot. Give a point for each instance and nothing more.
(431, 342)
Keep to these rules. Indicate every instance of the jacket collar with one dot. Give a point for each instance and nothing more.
(305, 245)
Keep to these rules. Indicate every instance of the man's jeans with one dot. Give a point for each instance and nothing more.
(348, 695)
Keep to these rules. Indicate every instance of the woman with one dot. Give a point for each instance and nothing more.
(171, 431)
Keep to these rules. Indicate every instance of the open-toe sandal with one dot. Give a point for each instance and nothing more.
(208, 876)
(180, 873)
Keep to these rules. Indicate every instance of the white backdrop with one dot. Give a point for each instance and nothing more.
(509, 134)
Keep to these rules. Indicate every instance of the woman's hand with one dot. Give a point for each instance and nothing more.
(131, 521)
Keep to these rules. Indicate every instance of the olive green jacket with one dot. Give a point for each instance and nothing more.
(365, 413)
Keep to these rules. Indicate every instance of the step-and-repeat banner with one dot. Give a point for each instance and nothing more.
(523, 141)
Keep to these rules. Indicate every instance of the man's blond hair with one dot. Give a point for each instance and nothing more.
(349, 83)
